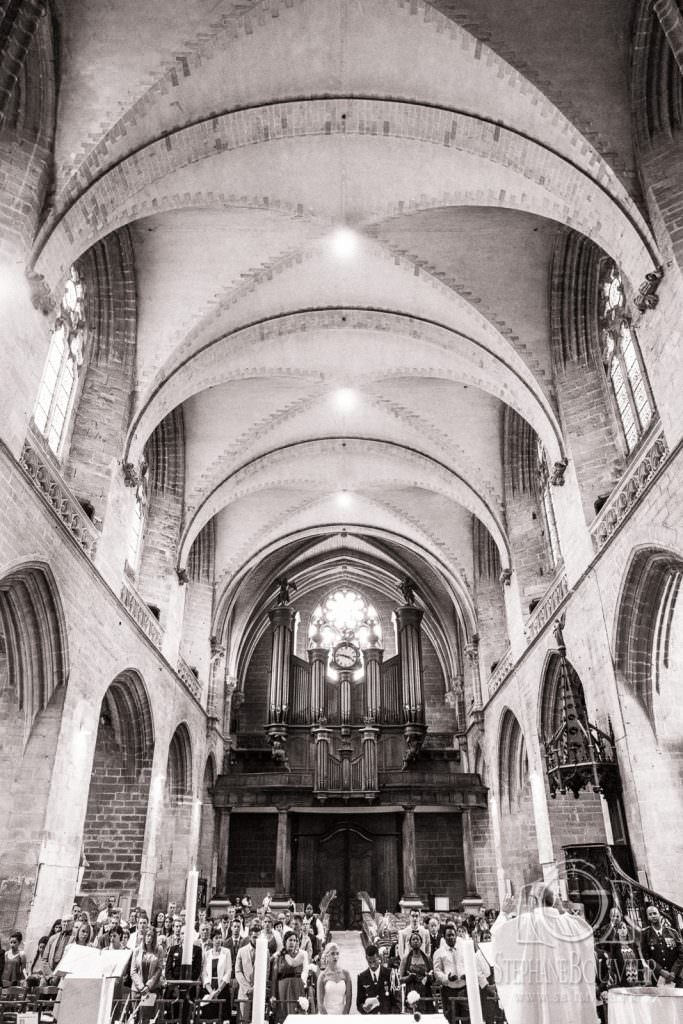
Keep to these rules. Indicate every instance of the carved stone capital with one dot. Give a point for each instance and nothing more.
(557, 475)
(506, 577)
(183, 577)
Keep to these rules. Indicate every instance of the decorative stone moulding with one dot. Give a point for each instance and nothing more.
(633, 486)
(500, 673)
(47, 480)
(139, 611)
(189, 679)
(546, 607)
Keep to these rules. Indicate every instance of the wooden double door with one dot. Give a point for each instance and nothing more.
(349, 858)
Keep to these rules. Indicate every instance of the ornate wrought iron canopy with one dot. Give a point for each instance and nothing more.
(578, 754)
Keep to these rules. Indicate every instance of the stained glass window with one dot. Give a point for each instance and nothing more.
(65, 357)
(622, 358)
(345, 615)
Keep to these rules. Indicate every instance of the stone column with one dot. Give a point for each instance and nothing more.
(472, 900)
(283, 858)
(317, 657)
(373, 677)
(222, 834)
(410, 897)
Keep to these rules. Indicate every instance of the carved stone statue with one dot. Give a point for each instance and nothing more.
(285, 588)
(407, 588)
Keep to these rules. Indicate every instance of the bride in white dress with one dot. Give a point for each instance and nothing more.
(334, 983)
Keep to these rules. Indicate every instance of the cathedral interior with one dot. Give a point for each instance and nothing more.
(342, 536)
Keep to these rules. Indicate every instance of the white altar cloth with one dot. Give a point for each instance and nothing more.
(385, 1018)
(645, 1006)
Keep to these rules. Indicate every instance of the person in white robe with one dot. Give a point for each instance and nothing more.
(544, 963)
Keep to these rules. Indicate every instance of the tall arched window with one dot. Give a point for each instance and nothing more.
(65, 356)
(345, 615)
(622, 358)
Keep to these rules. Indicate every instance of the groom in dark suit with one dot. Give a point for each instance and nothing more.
(373, 991)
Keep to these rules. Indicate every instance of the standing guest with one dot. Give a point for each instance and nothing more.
(449, 971)
(316, 932)
(204, 939)
(405, 933)
(145, 966)
(435, 936)
(216, 975)
(82, 934)
(116, 937)
(274, 938)
(374, 993)
(287, 986)
(302, 938)
(415, 973)
(34, 973)
(105, 914)
(334, 989)
(14, 965)
(159, 919)
(54, 951)
(244, 972)
(662, 948)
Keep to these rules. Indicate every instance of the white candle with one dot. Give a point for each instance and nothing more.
(472, 980)
(260, 975)
(190, 914)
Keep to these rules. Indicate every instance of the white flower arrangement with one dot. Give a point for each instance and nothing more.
(303, 1003)
(412, 999)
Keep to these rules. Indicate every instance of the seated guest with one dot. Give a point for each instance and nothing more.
(216, 974)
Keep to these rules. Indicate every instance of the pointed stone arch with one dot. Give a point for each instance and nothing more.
(33, 629)
(116, 815)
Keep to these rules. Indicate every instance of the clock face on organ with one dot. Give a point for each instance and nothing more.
(345, 655)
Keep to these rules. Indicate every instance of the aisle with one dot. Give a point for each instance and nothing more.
(351, 957)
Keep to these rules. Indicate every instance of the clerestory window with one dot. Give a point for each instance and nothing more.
(622, 358)
(65, 357)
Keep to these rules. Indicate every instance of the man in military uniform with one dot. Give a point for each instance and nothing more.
(662, 948)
